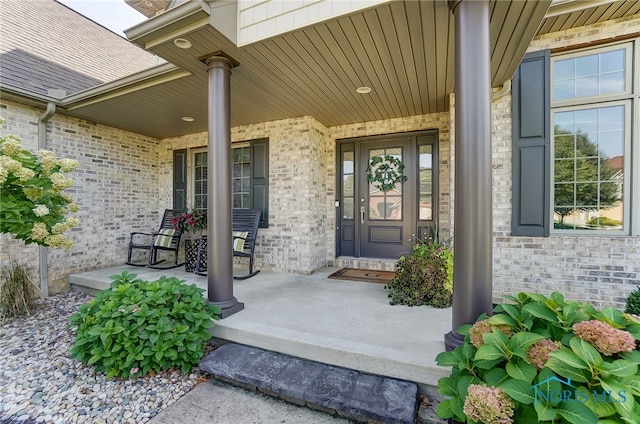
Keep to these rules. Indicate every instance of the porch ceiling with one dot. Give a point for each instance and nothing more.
(403, 50)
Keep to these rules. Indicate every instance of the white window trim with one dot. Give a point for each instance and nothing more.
(631, 99)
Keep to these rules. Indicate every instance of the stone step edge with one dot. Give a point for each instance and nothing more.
(334, 390)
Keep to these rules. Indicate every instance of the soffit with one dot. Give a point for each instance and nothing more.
(404, 51)
(603, 11)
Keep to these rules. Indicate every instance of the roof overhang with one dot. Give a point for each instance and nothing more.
(403, 50)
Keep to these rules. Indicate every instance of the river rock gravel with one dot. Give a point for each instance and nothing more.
(40, 383)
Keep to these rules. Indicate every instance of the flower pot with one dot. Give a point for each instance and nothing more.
(191, 249)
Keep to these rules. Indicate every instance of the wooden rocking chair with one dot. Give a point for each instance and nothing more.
(165, 239)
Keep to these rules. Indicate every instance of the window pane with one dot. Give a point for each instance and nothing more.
(612, 83)
(347, 185)
(237, 201)
(588, 177)
(587, 86)
(347, 208)
(564, 89)
(564, 69)
(589, 75)
(612, 61)
(564, 146)
(347, 163)
(586, 66)
(425, 208)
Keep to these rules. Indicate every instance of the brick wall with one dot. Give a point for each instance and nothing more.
(599, 269)
(296, 239)
(116, 189)
(302, 173)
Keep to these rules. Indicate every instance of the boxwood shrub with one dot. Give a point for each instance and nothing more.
(136, 327)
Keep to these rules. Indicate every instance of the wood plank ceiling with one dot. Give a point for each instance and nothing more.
(403, 50)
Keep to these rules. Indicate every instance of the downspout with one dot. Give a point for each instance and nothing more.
(504, 90)
(43, 263)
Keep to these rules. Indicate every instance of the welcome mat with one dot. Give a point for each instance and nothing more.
(368, 275)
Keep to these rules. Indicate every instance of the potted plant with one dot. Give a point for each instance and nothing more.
(193, 225)
(425, 276)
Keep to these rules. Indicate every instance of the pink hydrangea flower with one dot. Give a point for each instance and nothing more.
(488, 405)
(538, 353)
(606, 339)
(482, 327)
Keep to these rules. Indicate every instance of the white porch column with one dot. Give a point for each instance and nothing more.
(473, 243)
(219, 205)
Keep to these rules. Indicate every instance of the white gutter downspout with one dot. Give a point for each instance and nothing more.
(43, 263)
(506, 88)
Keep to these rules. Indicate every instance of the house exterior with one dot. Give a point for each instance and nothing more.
(302, 135)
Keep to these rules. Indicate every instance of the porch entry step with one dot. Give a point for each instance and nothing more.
(348, 393)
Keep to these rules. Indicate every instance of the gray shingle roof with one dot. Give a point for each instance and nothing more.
(44, 44)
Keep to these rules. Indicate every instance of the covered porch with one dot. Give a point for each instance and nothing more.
(345, 323)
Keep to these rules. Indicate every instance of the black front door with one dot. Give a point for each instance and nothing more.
(381, 222)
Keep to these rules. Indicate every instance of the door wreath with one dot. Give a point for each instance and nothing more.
(384, 172)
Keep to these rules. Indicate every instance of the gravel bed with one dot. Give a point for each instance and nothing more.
(39, 383)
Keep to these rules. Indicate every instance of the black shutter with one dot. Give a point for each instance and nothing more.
(180, 179)
(260, 178)
(531, 146)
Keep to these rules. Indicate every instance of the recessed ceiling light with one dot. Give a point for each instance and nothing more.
(363, 90)
(182, 43)
(148, 3)
(187, 119)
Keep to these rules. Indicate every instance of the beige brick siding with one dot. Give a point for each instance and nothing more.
(601, 270)
(116, 189)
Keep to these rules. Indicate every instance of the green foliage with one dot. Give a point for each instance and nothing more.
(136, 327)
(425, 277)
(632, 305)
(32, 205)
(18, 291)
(576, 154)
(603, 221)
(575, 383)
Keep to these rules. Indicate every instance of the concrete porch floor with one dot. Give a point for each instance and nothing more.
(345, 323)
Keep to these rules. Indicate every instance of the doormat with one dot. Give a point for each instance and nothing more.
(368, 275)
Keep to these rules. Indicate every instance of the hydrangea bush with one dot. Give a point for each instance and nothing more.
(33, 207)
(136, 327)
(425, 277)
(545, 359)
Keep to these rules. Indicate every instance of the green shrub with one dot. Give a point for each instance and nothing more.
(542, 359)
(632, 305)
(425, 277)
(603, 221)
(18, 291)
(136, 326)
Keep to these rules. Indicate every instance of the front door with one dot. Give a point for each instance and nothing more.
(381, 219)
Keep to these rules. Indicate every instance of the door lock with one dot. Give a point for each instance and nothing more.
(362, 214)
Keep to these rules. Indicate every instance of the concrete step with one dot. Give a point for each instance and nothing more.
(352, 394)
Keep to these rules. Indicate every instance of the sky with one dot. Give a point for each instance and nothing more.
(113, 14)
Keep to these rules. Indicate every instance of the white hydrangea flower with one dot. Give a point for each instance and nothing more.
(41, 210)
(60, 182)
(24, 174)
(68, 165)
(39, 231)
(11, 145)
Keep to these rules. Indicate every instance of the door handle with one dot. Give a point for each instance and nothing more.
(362, 214)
